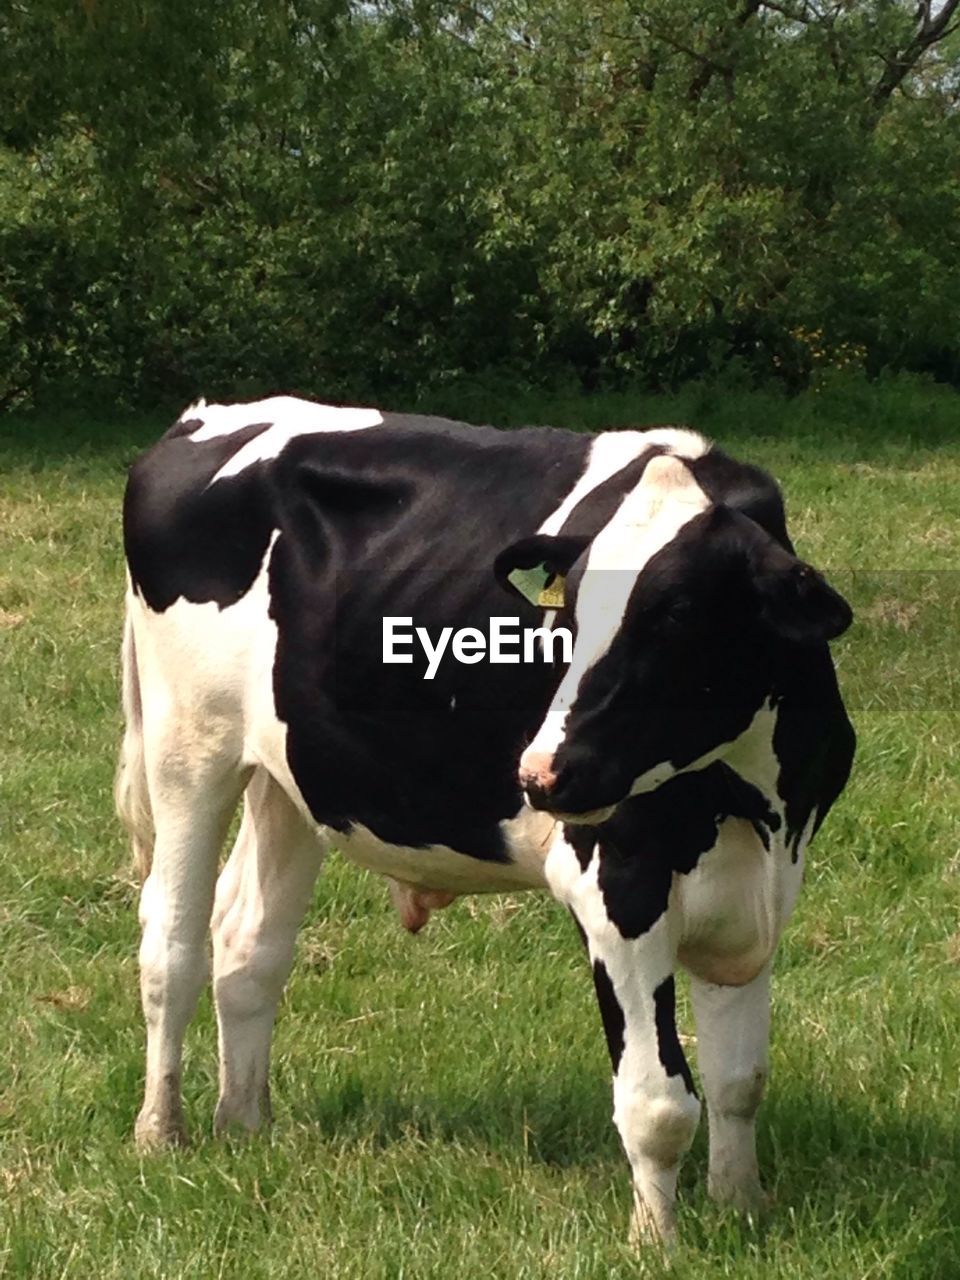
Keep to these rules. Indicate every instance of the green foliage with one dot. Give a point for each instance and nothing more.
(377, 199)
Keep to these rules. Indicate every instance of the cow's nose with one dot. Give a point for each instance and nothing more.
(536, 772)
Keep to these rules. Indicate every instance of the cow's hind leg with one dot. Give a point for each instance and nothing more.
(733, 1028)
(656, 1110)
(261, 898)
(192, 802)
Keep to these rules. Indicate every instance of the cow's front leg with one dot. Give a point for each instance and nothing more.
(632, 956)
(733, 1030)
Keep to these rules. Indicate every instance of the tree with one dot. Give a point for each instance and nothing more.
(364, 199)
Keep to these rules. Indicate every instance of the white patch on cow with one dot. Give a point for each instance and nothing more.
(649, 517)
(530, 836)
(195, 663)
(733, 1029)
(662, 772)
(194, 652)
(214, 668)
(614, 450)
(291, 412)
(750, 754)
(193, 410)
(437, 868)
(289, 417)
(732, 907)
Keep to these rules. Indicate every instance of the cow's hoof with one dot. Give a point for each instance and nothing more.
(234, 1128)
(242, 1116)
(651, 1234)
(229, 1123)
(748, 1198)
(153, 1132)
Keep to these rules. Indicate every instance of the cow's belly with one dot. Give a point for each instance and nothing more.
(731, 909)
(438, 868)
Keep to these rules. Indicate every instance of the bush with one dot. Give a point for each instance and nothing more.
(381, 201)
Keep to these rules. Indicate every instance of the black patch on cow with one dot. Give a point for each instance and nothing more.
(814, 741)
(633, 875)
(763, 834)
(614, 1025)
(744, 488)
(666, 831)
(669, 1048)
(598, 507)
(611, 1013)
(766, 824)
(582, 840)
(184, 427)
(185, 539)
(405, 518)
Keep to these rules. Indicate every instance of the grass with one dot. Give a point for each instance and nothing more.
(443, 1102)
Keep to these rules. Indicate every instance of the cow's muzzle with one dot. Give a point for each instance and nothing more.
(545, 788)
(537, 777)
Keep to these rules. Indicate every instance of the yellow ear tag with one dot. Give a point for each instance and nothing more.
(553, 596)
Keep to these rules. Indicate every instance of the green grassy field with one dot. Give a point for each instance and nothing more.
(442, 1102)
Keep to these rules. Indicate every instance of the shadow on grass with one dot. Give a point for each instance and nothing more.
(562, 1123)
(849, 1178)
(567, 1122)
(826, 1160)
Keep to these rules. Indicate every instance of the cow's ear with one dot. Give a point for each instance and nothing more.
(535, 567)
(799, 604)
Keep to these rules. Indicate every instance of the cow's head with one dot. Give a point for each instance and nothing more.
(681, 607)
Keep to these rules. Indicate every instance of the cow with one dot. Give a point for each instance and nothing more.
(662, 780)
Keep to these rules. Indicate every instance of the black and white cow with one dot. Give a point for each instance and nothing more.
(663, 784)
